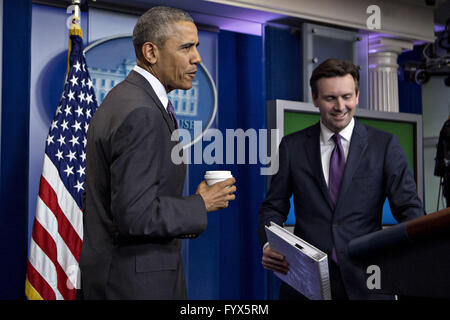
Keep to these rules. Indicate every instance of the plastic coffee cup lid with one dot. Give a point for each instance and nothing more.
(218, 173)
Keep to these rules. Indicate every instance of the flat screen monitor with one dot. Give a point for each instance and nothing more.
(292, 116)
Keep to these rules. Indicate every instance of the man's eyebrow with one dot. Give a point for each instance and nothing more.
(189, 44)
(331, 95)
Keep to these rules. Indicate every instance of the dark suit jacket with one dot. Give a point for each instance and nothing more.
(376, 167)
(134, 213)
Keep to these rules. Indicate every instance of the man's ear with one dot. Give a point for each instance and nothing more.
(150, 52)
(314, 97)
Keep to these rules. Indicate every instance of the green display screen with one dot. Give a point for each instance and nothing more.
(295, 121)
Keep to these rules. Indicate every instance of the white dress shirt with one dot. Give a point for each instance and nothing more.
(156, 85)
(327, 145)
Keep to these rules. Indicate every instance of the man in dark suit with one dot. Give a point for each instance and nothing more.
(340, 172)
(135, 215)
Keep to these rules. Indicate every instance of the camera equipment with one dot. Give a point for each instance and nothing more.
(435, 62)
(442, 164)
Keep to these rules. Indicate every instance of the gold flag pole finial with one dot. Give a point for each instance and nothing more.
(75, 28)
(76, 11)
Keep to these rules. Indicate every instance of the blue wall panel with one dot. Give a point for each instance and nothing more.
(244, 59)
(283, 63)
(14, 144)
(225, 261)
(283, 74)
(409, 93)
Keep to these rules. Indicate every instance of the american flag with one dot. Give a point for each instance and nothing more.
(55, 247)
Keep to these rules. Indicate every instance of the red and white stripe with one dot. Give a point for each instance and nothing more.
(55, 246)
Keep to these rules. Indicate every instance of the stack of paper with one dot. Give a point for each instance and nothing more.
(308, 266)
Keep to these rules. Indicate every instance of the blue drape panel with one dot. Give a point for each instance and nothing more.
(14, 147)
(225, 261)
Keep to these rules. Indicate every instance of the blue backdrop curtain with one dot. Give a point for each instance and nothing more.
(283, 78)
(409, 93)
(14, 147)
(229, 247)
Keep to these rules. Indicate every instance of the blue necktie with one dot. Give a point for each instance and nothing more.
(171, 112)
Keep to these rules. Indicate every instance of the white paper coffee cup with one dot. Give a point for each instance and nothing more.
(213, 177)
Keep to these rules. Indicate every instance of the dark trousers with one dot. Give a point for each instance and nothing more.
(338, 291)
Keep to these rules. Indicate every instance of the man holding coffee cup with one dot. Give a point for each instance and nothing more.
(134, 212)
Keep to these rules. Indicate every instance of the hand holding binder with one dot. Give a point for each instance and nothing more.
(274, 261)
(308, 271)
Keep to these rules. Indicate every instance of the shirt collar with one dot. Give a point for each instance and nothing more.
(346, 133)
(155, 83)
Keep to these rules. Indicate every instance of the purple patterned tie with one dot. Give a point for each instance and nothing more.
(337, 164)
(171, 112)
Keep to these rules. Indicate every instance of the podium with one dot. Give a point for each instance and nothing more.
(412, 258)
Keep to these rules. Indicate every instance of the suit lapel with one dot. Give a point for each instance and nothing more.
(358, 145)
(312, 147)
(140, 81)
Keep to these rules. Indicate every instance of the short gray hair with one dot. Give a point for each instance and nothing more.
(155, 26)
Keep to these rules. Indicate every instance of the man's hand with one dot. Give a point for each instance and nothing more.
(217, 196)
(274, 261)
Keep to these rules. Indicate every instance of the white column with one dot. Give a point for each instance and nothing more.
(383, 79)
